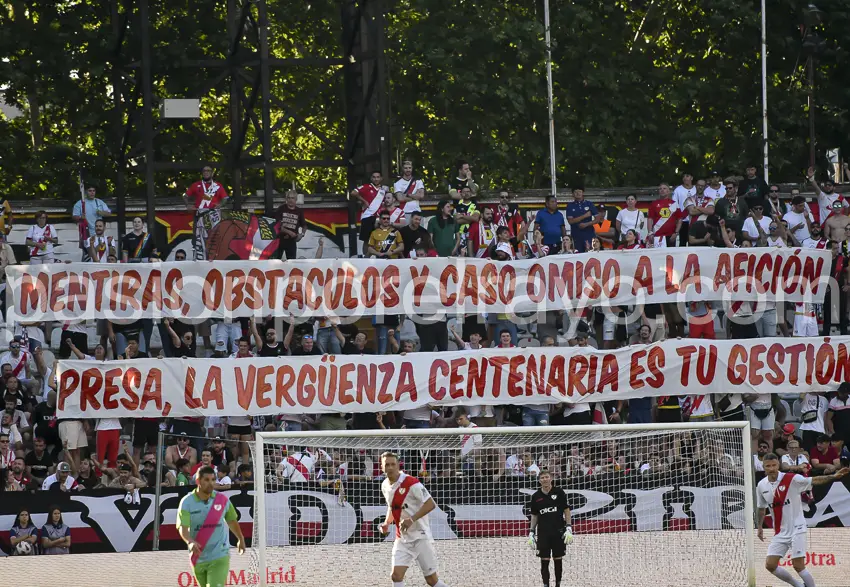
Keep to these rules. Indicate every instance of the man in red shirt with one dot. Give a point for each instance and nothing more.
(371, 197)
(481, 234)
(824, 457)
(205, 194)
(507, 214)
(665, 219)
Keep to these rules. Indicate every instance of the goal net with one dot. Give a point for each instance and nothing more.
(650, 507)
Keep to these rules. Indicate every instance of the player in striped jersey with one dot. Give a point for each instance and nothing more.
(781, 494)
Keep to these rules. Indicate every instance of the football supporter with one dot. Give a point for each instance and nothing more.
(630, 218)
(137, 245)
(415, 236)
(463, 180)
(683, 196)
(482, 234)
(443, 230)
(581, 215)
(385, 242)
(205, 194)
(665, 218)
(99, 245)
(291, 226)
(371, 197)
(86, 212)
(409, 190)
(826, 196)
(397, 215)
(41, 238)
(508, 215)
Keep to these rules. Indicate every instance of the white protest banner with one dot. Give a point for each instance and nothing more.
(366, 287)
(517, 376)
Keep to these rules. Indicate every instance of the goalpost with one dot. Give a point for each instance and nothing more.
(653, 505)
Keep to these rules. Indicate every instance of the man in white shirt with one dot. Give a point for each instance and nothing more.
(408, 189)
(798, 219)
(713, 192)
(62, 476)
(781, 494)
(408, 506)
(826, 196)
(794, 461)
(755, 221)
(683, 196)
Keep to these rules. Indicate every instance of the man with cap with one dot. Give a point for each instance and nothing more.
(61, 480)
(753, 188)
(125, 479)
(181, 450)
(780, 441)
(826, 196)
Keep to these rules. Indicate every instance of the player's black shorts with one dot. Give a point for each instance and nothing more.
(551, 545)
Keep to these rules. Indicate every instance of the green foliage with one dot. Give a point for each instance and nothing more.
(643, 90)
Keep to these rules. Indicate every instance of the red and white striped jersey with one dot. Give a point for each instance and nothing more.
(783, 498)
(18, 363)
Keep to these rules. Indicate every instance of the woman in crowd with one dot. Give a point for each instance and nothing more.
(631, 241)
(23, 530)
(55, 534)
(630, 218)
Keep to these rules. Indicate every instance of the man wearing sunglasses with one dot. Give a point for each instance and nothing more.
(757, 225)
(774, 206)
(833, 228)
(826, 196)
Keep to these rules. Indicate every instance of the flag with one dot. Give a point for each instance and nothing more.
(83, 225)
(236, 235)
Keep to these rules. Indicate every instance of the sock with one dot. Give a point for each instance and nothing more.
(807, 578)
(784, 575)
(544, 571)
(439, 583)
(559, 567)
(398, 583)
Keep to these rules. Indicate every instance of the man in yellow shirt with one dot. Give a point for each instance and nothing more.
(385, 242)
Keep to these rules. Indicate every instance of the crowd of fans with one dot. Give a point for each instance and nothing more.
(40, 453)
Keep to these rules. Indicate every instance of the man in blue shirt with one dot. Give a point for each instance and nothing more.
(550, 222)
(582, 215)
(88, 211)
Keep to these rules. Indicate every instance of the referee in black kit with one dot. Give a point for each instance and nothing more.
(550, 526)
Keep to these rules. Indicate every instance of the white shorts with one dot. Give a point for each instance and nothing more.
(780, 546)
(420, 551)
(609, 327)
(805, 326)
(74, 434)
(766, 423)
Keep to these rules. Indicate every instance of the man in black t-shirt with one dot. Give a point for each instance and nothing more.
(267, 346)
(753, 189)
(40, 464)
(550, 526)
(291, 226)
(414, 235)
(44, 423)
